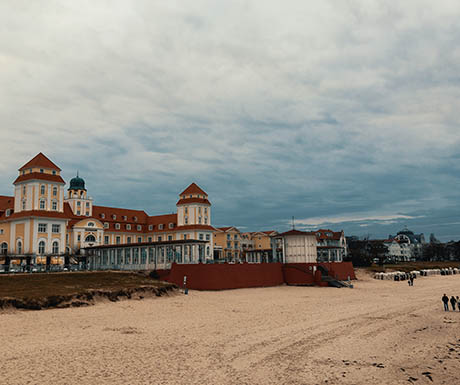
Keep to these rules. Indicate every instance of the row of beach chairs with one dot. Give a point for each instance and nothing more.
(402, 276)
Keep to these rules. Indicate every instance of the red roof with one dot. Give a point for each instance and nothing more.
(295, 232)
(225, 229)
(6, 202)
(193, 189)
(39, 176)
(38, 213)
(196, 227)
(40, 160)
(323, 234)
(193, 200)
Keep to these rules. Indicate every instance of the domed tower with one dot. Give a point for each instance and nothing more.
(77, 197)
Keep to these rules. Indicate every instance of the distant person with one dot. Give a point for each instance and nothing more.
(445, 299)
(453, 302)
(412, 279)
(458, 302)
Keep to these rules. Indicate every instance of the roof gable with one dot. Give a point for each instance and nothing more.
(40, 160)
(193, 189)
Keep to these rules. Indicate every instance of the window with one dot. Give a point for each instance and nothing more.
(114, 217)
(78, 203)
(78, 212)
(87, 213)
(90, 224)
(139, 227)
(160, 226)
(150, 227)
(23, 204)
(118, 240)
(229, 245)
(90, 238)
(42, 227)
(150, 239)
(128, 240)
(42, 204)
(87, 204)
(41, 247)
(205, 220)
(42, 189)
(106, 225)
(186, 220)
(205, 210)
(139, 239)
(8, 212)
(199, 210)
(54, 205)
(208, 237)
(19, 248)
(171, 225)
(228, 236)
(201, 237)
(199, 220)
(106, 239)
(54, 191)
(41, 170)
(125, 218)
(54, 172)
(236, 236)
(102, 215)
(117, 226)
(128, 227)
(190, 195)
(169, 237)
(159, 239)
(135, 219)
(4, 248)
(56, 229)
(55, 247)
(78, 237)
(186, 210)
(1, 231)
(185, 236)
(24, 190)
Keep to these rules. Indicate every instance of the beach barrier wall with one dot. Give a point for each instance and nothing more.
(308, 273)
(243, 275)
(226, 275)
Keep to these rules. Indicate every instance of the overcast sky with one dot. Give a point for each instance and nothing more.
(343, 114)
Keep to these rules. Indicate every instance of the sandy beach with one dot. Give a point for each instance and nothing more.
(380, 332)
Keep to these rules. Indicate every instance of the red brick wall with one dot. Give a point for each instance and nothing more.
(227, 276)
(302, 273)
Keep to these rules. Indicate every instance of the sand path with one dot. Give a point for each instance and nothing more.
(380, 332)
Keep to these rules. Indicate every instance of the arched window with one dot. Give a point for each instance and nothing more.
(4, 248)
(54, 191)
(19, 248)
(90, 238)
(41, 247)
(42, 189)
(55, 247)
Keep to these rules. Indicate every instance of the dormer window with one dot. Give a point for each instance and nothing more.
(114, 217)
(139, 227)
(106, 225)
(160, 226)
(150, 227)
(102, 215)
(54, 172)
(171, 225)
(117, 226)
(8, 212)
(125, 218)
(128, 227)
(135, 219)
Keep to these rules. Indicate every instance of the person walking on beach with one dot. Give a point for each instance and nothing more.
(445, 299)
(412, 279)
(453, 301)
(458, 303)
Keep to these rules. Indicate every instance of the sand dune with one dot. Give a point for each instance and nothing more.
(380, 332)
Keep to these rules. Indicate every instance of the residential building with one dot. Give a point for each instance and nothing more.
(227, 244)
(257, 246)
(331, 245)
